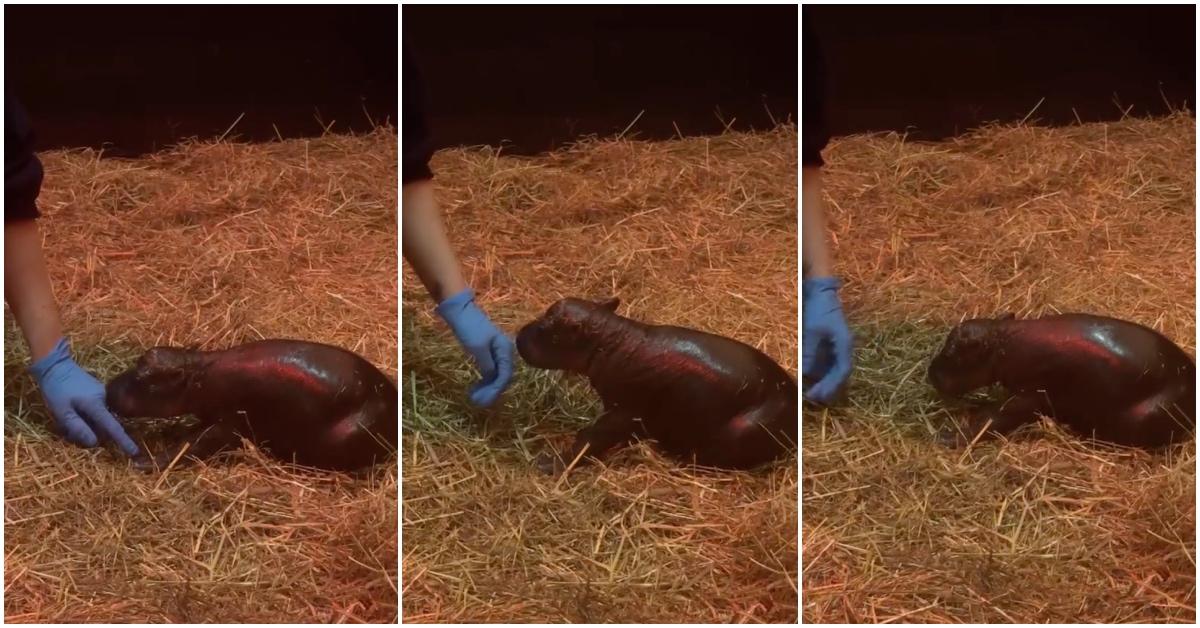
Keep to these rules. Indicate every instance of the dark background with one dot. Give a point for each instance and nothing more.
(945, 69)
(137, 78)
(535, 77)
(141, 77)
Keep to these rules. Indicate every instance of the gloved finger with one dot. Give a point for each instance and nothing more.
(502, 354)
(107, 425)
(486, 392)
(843, 345)
(75, 430)
(824, 390)
(809, 350)
(485, 363)
(821, 392)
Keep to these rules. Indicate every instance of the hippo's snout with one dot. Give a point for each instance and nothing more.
(117, 395)
(940, 378)
(939, 382)
(137, 394)
(523, 340)
(952, 379)
(546, 343)
(527, 345)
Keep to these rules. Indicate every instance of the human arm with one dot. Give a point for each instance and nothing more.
(827, 342)
(75, 398)
(27, 288)
(427, 248)
(426, 245)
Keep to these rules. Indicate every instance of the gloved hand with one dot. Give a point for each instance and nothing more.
(492, 350)
(824, 325)
(76, 401)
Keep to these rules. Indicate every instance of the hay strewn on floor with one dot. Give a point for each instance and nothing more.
(213, 243)
(1097, 218)
(698, 232)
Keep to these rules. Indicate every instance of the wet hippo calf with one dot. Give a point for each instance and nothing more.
(302, 402)
(703, 398)
(1105, 378)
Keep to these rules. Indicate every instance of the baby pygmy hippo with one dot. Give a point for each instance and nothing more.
(703, 398)
(1105, 378)
(303, 402)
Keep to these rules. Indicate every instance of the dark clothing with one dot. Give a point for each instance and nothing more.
(416, 143)
(814, 123)
(22, 169)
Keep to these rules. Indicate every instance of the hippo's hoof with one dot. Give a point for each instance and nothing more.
(144, 463)
(952, 438)
(549, 463)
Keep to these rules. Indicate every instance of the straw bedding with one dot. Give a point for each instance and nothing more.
(209, 243)
(1096, 218)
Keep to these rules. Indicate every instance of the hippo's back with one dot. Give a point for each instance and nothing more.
(1091, 362)
(723, 353)
(327, 362)
(1122, 337)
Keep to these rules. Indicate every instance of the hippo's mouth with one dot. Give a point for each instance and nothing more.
(954, 386)
(528, 349)
(125, 403)
(118, 401)
(945, 385)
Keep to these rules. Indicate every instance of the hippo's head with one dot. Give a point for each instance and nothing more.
(156, 386)
(968, 358)
(562, 338)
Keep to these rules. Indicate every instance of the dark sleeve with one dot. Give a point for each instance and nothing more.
(22, 169)
(416, 143)
(814, 124)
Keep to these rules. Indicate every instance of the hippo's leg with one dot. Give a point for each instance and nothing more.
(204, 441)
(611, 430)
(1018, 410)
(1158, 421)
(755, 436)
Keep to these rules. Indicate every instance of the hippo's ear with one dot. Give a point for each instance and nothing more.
(610, 304)
(1007, 316)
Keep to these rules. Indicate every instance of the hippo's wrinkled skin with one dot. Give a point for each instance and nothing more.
(1104, 378)
(303, 402)
(702, 398)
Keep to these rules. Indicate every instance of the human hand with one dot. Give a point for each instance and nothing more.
(479, 337)
(76, 401)
(825, 325)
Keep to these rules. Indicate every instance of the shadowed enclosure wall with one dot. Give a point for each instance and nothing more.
(941, 70)
(538, 77)
(138, 78)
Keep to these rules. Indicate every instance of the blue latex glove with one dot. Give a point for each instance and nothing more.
(492, 350)
(76, 401)
(824, 328)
